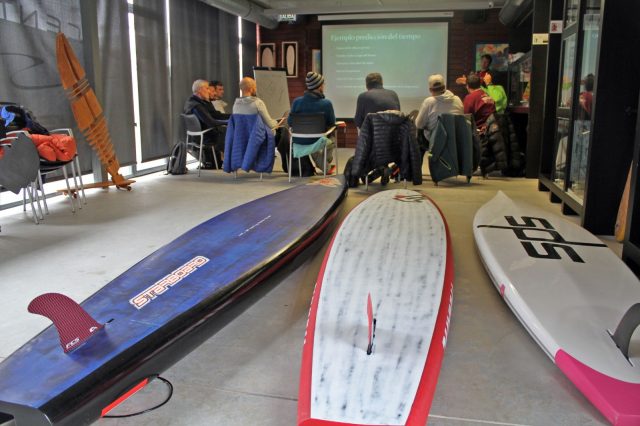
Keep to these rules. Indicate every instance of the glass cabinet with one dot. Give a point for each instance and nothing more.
(575, 98)
(586, 94)
(519, 81)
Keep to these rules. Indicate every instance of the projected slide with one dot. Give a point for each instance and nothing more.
(405, 55)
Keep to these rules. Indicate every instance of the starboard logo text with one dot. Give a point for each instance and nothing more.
(168, 281)
(529, 232)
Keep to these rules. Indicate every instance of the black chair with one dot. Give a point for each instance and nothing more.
(47, 167)
(386, 148)
(309, 126)
(195, 136)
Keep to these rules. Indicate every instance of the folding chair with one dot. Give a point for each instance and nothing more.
(47, 167)
(76, 171)
(195, 131)
(310, 126)
(19, 169)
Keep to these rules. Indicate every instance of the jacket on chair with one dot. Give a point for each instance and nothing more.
(249, 144)
(452, 148)
(388, 137)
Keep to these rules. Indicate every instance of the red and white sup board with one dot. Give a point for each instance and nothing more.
(570, 291)
(379, 316)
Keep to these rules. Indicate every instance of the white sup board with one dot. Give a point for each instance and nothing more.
(394, 250)
(570, 291)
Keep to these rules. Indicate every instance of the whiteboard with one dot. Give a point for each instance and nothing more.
(273, 90)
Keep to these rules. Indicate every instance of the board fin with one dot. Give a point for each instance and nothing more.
(372, 325)
(628, 324)
(75, 326)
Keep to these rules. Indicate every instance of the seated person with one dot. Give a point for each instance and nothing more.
(496, 92)
(313, 101)
(248, 103)
(375, 99)
(441, 101)
(478, 103)
(199, 104)
(217, 93)
(493, 149)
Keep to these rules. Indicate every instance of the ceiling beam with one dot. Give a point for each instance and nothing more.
(318, 8)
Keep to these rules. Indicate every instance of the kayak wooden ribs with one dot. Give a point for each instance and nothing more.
(87, 110)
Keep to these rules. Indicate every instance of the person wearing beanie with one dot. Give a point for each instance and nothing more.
(375, 99)
(441, 101)
(313, 101)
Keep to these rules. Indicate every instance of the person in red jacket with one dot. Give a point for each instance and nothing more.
(478, 103)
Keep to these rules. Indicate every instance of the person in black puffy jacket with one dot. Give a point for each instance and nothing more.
(493, 150)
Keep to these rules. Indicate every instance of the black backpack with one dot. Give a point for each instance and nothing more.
(24, 118)
(352, 181)
(177, 164)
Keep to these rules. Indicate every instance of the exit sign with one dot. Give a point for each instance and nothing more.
(288, 17)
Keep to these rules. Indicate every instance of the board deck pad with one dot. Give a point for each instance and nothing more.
(393, 249)
(159, 302)
(570, 291)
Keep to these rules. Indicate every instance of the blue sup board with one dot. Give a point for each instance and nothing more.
(160, 309)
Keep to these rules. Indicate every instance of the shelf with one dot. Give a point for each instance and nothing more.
(518, 109)
(570, 205)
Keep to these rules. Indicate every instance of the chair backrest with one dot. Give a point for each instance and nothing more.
(19, 165)
(191, 123)
(308, 123)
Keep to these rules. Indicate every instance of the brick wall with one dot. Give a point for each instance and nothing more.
(462, 39)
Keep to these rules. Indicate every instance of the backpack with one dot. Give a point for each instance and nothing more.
(352, 181)
(177, 164)
(24, 119)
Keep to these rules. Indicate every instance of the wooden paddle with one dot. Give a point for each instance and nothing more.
(621, 221)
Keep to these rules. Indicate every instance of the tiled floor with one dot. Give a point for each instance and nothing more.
(247, 373)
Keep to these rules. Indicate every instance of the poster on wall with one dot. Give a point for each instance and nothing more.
(499, 54)
(267, 55)
(290, 58)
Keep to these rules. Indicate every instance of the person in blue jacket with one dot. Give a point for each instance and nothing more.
(311, 101)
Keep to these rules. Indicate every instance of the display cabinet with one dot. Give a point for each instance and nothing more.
(631, 247)
(579, 50)
(566, 175)
(519, 87)
(588, 125)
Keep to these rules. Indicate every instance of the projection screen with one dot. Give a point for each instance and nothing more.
(404, 53)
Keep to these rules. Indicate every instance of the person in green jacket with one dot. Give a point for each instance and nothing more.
(496, 92)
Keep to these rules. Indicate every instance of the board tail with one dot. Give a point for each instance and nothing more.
(617, 400)
(75, 326)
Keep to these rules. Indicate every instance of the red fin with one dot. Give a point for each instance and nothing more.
(73, 323)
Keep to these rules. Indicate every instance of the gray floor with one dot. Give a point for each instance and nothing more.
(247, 373)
